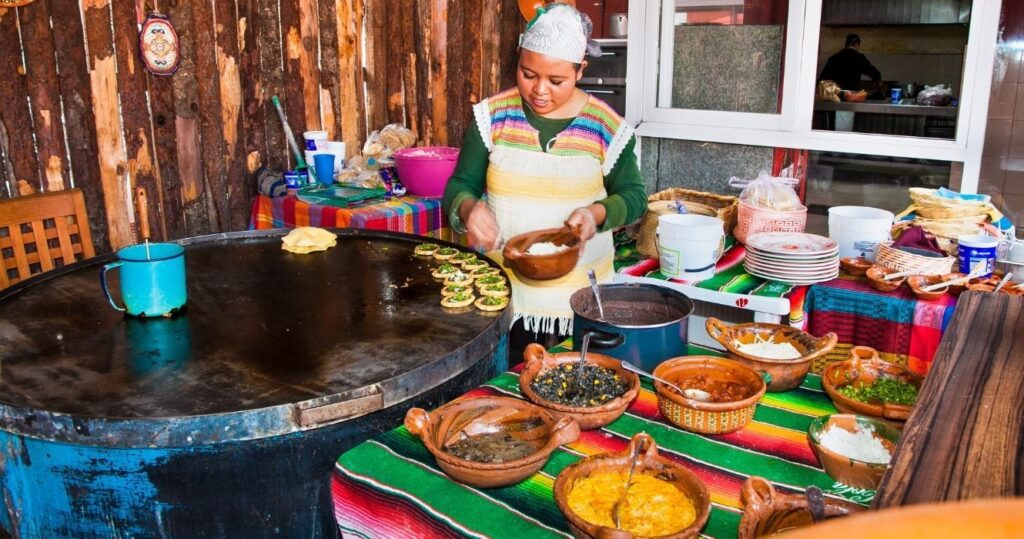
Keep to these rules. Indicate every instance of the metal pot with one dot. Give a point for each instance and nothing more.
(644, 324)
(617, 25)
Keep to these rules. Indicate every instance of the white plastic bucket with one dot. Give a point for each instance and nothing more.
(689, 245)
(859, 229)
(977, 248)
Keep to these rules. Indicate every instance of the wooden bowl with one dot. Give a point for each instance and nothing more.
(707, 417)
(875, 274)
(768, 512)
(434, 428)
(864, 365)
(848, 471)
(856, 266)
(538, 359)
(956, 289)
(543, 267)
(649, 463)
(917, 282)
(783, 374)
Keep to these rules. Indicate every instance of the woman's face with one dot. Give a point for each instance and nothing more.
(546, 83)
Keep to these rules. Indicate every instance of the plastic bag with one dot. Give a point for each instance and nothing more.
(381, 144)
(935, 96)
(769, 192)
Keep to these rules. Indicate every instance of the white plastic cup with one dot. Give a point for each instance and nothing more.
(859, 229)
(689, 245)
(316, 140)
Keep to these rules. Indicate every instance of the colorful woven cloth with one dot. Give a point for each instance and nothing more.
(729, 275)
(391, 486)
(902, 328)
(412, 215)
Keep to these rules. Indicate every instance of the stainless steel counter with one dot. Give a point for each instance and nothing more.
(886, 107)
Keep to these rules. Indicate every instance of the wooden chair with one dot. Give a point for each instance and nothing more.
(41, 232)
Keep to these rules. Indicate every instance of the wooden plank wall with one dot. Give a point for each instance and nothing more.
(79, 110)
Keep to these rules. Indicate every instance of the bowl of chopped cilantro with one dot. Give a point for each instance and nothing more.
(865, 384)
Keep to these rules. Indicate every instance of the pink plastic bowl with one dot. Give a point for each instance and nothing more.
(425, 171)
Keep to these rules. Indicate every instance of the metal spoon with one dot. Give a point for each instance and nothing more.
(693, 394)
(629, 479)
(583, 361)
(597, 293)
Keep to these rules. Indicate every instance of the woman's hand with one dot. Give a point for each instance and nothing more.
(482, 226)
(586, 220)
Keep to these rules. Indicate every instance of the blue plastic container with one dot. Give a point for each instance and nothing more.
(977, 248)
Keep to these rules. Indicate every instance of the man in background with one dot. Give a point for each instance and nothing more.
(846, 66)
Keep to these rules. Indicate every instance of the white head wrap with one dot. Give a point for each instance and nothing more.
(559, 31)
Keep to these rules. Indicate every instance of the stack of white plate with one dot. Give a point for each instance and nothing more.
(792, 257)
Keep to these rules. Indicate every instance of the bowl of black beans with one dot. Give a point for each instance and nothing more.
(594, 395)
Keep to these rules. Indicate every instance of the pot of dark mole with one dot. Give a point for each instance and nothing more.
(643, 324)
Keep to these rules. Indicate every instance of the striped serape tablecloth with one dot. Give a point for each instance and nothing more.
(391, 486)
(730, 276)
(409, 214)
(902, 328)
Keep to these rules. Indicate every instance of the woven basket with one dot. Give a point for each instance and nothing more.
(926, 203)
(753, 220)
(893, 258)
(946, 231)
(725, 206)
(645, 238)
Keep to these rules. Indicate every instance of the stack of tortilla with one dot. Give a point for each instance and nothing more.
(308, 239)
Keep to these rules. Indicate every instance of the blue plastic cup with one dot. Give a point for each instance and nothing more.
(152, 279)
(323, 164)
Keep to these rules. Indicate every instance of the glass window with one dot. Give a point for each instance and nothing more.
(896, 67)
(723, 55)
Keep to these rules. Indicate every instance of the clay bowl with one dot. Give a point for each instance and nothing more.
(434, 428)
(865, 366)
(543, 267)
(649, 463)
(707, 417)
(856, 266)
(768, 512)
(917, 282)
(875, 274)
(783, 374)
(852, 472)
(956, 289)
(538, 359)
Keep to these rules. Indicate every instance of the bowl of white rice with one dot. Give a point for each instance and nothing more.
(543, 255)
(854, 450)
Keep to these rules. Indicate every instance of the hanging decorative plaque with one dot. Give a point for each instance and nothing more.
(158, 45)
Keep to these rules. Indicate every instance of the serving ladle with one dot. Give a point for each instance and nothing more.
(597, 293)
(616, 509)
(692, 394)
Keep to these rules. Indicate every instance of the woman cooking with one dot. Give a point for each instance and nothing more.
(546, 154)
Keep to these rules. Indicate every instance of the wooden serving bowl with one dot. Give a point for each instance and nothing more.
(707, 417)
(864, 365)
(592, 417)
(875, 276)
(649, 462)
(768, 512)
(783, 374)
(856, 266)
(848, 471)
(543, 267)
(433, 428)
(917, 282)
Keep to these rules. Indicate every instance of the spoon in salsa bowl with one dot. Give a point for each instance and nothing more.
(692, 394)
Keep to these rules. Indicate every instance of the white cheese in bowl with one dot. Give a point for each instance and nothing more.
(768, 349)
(546, 248)
(861, 445)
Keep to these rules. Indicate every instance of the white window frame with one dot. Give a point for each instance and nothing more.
(791, 128)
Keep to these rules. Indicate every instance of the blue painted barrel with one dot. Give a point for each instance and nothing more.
(226, 420)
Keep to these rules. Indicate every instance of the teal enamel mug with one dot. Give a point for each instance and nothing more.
(152, 279)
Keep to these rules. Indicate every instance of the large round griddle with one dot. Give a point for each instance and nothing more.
(270, 342)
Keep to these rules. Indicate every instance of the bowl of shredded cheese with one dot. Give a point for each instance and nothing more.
(663, 499)
(854, 450)
(543, 255)
(783, 353)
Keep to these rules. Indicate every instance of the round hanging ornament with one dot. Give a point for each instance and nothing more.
(159, 45)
